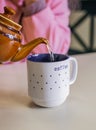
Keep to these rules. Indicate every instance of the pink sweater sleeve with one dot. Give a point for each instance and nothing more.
(51, 23)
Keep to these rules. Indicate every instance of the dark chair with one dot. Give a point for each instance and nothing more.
(89, 6)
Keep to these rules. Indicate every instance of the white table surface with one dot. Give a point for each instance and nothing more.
(17, 112)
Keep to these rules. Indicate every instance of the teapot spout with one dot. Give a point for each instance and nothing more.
(24, 50)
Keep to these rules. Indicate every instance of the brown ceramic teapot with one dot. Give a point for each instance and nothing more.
(11, 48)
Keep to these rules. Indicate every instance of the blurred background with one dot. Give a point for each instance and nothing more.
(83, 27)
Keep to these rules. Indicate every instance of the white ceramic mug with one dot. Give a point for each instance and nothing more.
(49, 82)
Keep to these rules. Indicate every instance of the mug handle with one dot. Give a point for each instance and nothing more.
(74, 70)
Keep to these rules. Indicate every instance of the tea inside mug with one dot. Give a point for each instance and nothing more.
(46, 57)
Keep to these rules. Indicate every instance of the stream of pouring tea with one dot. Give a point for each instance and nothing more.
(51, 53)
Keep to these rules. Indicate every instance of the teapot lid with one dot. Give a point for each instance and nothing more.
(5, 19)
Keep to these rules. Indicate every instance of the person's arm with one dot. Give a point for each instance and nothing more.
(33, 6)
(52, 23)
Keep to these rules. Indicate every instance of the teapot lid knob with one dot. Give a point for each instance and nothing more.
(8, 12)
(6, 18)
